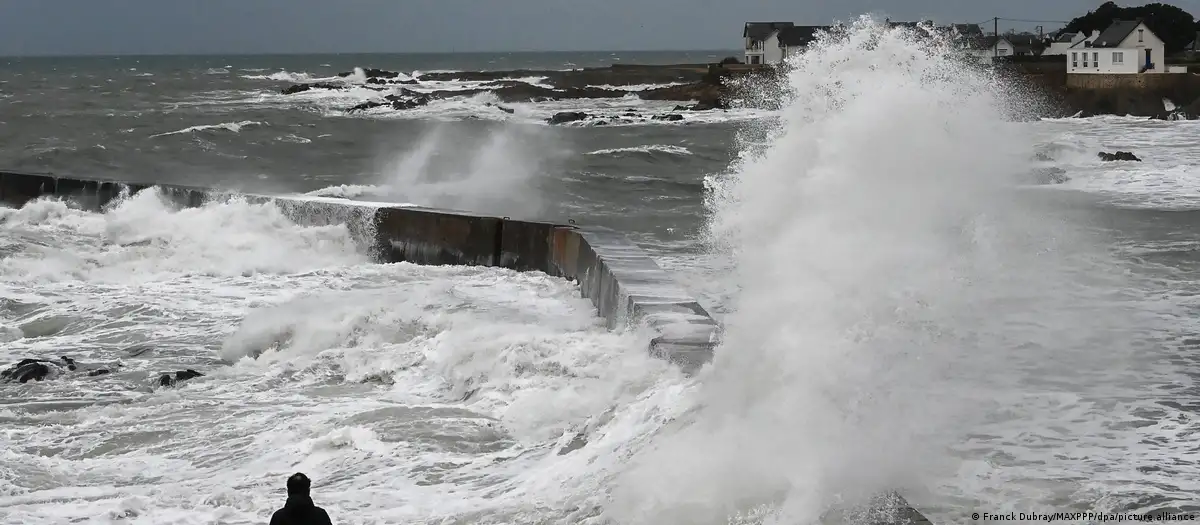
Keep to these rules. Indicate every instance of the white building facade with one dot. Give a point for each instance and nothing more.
(755, 35)
(985, 48)
(1063, 44)
(1126, 47)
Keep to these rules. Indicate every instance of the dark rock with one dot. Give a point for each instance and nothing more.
(41, 369)
(180, 375)
(510, 111)
(563, 117)
(371, 72)
(386, 82)
(673, 117)
(367, 105)
(1120, 155)
(300, 88)
(29, 369)
(1188, 112)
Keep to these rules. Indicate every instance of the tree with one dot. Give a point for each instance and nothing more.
(1173, 25)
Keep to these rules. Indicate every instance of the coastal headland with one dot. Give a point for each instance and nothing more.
(701, 87)
(720, 86)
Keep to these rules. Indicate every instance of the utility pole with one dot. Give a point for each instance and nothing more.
(996, 31)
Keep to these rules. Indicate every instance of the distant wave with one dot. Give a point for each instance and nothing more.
(283, 76)
(650, 149)
(216, 71)
(347, 191)
(227, 126)
(637, 87)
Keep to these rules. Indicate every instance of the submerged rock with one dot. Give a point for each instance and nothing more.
(180, 375)
(1120, 155)
(564, 117)
(300, 88)
(371, 72)
(41, 369)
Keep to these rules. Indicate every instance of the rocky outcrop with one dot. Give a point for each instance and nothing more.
(708, 86)
(1120, 155)
(371, 72)
(564, 117)
(300, 88)
(27, 370)
(616, 75)
(181, 375)
(36, 370)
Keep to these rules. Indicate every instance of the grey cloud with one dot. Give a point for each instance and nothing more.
(304, 26)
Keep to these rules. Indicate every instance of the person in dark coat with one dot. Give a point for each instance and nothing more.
(300, 509)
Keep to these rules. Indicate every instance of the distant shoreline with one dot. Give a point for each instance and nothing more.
(725, 52)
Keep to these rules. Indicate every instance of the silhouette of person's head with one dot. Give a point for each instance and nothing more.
(298, 484)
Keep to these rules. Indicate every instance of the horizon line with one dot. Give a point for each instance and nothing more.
(337, 53)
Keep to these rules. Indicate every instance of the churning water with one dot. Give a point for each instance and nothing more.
(901, 314)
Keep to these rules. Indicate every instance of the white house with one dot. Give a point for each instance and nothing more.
(755, 35)
(788, 41)
(1126, 47)
(1065, 41)
(986, 47)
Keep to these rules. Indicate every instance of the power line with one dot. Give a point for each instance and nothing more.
(1035, 21)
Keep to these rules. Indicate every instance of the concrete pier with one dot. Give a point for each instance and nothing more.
(622, 281)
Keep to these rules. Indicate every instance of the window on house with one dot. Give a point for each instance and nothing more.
(1074, 59)
(1118, 57)
(1140, 31)
(1096, 59)
(1085, 62)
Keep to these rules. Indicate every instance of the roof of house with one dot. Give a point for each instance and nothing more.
(968, 29)
(1065, 38)
(798, 36)
(1116, 33)
(1024, 43)
(762, 30)
(981, 42)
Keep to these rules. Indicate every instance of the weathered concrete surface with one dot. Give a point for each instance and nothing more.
(628, 287)
(428, 236)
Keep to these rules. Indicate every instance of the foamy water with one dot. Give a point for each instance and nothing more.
(902, 312)
(408, 393)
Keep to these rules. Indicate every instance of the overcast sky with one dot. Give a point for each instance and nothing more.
(70, 27)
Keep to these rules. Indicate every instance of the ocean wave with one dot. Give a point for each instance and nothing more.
(227, 126)
(648, 149)
(348, 191)
(637, 87)
(288, 76)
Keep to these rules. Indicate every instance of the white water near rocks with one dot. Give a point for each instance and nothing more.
(902, 315)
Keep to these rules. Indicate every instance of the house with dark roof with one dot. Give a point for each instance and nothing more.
(1125, 47)
(1062, 42)
(755, 35)
(789, 41)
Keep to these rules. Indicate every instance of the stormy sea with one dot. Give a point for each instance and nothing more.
(904, 307)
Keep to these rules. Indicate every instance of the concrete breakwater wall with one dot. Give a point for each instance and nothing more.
(621, 280)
